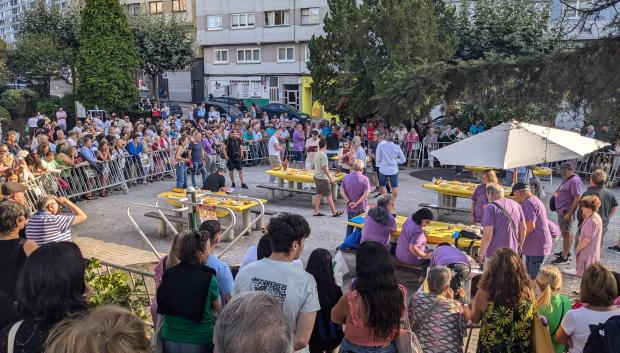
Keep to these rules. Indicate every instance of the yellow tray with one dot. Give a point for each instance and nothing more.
(299, 175)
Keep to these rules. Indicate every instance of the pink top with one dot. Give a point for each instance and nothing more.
(591, 228)
(355, 331)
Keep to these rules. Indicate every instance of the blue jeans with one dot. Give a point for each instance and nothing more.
(198, 166)
(348, 347)
(533, 264)
(180, 347)
(181, 170)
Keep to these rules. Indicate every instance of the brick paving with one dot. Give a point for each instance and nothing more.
(109, 235)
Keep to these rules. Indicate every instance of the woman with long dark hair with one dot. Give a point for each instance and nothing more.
(372, 310)
(326, 335)
(50, 287)
(379, 222)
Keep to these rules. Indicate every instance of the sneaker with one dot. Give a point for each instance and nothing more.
(244, 186)
(614, 249)
(233, 185)
(559, 254)
(561, 260)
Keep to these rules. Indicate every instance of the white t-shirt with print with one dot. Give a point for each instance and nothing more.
(576, 324)
(292, 286)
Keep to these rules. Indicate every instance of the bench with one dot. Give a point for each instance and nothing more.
(435, 208)
(396, 263)
(177, 222)
(272, 191)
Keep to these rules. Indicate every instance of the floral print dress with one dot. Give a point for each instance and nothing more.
(506, 329)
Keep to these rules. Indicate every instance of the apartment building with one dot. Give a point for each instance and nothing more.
(258, 49)
(10, 10)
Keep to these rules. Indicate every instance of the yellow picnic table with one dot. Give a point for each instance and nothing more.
(538, 171)
(436, 232)
(448, 191)
(297, 177)
(217, 199)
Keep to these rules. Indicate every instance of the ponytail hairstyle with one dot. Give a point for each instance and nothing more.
(549, 280)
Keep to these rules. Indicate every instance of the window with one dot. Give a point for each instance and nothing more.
(310, 16)
(573, 7)
(214, 22)
(132, 9)
(220, 56)
(178, 6)
(156, 6)
(276, 18)
(248, 56)
(286, 54)
(306, 53)
(241, 20)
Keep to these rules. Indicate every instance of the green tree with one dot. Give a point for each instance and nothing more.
(18, 102)
(61, 24)
(107, 57)
(38, 58)
(164, 44)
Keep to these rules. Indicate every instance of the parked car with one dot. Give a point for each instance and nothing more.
(224, 108)
(276, 109)
(175, 109)
(230, 100)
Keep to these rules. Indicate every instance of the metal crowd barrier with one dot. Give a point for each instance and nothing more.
(87, 178)
(42, 185)
(153, 164)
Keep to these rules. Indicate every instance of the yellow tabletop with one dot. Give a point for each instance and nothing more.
(436, 232)
(477, 169)
(234, 205)
(457, 188)
(538, 171)
(299, 175)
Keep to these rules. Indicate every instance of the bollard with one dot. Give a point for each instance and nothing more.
(193, 211)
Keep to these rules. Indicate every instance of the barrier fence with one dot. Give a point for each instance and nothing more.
(86, 178)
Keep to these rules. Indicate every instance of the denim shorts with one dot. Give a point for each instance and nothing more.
(383, 179)
(533, 264)
(298, 156)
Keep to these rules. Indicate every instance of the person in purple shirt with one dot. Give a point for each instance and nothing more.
(503, 224)
(354, 189)
(537, 244)
(447, 255)
(298, 145)
(379, 222)
(566, 199)
(479, 199)
(411, 245)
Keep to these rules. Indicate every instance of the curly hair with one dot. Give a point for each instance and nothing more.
(506, 280)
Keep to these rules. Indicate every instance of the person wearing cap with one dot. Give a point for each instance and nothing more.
(388, 157)
(14, 191)
(503, 224)
(566, 201)
(48, 225)
(538, 243)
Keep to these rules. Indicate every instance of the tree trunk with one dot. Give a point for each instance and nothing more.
(73, 80)
(155, 79)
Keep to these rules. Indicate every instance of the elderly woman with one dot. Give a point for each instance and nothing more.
(438, 320)
(504, 304)
(599, 290)
(379, 223)
(589, 247)
(345, 157)
(411, 245)
(359, 153)
(479, 199)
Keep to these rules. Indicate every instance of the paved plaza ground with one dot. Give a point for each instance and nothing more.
(109, 235)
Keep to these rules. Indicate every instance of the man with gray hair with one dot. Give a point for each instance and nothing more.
(388, 157)
(48, 225)
(253, 322)
(503, 224)
(355, 189)
(566, 202)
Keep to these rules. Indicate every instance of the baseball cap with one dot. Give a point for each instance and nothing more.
(12, 187)
(567, 166)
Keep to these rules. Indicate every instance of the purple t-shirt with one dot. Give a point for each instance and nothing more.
(446, 255)
(376, 231)
(411, 234)
(355, 185)
(480, 198)
(567, 193)
(504, 234)
(537, 243)
(298, 141)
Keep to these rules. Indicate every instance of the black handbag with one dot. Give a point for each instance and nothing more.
(552, 203)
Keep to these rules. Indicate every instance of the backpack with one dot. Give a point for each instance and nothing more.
(352, 240)
(605, 337)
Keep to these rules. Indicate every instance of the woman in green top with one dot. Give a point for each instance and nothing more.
(504, 304)
(188, 298)
(551, 304)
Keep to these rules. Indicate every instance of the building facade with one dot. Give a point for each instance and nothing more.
(258, 49)
(10, 10)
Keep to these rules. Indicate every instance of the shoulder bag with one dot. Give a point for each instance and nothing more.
(552, 199)
(541, 338)
(12, 334)
(407, 341)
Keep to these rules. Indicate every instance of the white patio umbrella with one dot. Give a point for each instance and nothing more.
(512, 145)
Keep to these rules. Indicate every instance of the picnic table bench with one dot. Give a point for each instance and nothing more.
(273, 188)
(449, 209)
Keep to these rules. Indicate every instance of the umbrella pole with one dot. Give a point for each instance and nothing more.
(515, 178)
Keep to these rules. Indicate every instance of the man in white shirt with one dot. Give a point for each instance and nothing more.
(274, 149)
(32, 125)
(312, 146)
(277, 275)
(388, 157)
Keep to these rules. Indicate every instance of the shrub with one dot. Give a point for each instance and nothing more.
(4, 115)
(18, 102)
(48, 106)
(68, 104)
